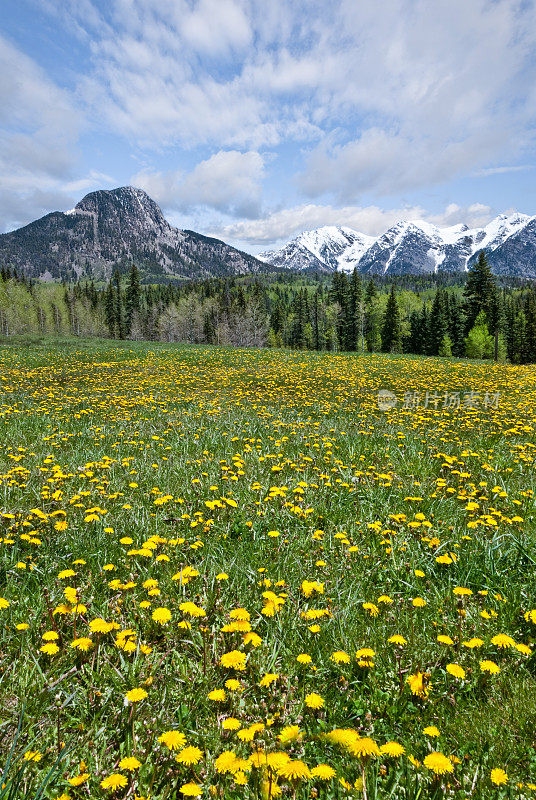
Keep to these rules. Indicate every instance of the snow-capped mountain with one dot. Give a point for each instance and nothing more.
(414, 247)
(323, 249)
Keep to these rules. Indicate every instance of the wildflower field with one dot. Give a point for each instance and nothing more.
(229, 573)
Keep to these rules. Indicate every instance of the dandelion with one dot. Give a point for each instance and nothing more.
(314, 700)
(230, 724)
(340, 657)
(233, 685)
(291, 733)
(323, 772)
(268, 679)
(364, 747)
(489, 666)
(431, 730)
(294, 770)
(438, 763)
(456, 671)
(83, 644)
(135, 695)
(418, 684)
(50, 649)
(498, 777)
(473, 643)
(189, 756)
(502, 640)
(192, 610)
(161, 615)
(217, 695)
(78, 780)
(225, 762)
(129, 763)
(234, 660)
(191, 790)
(392, 749)
(174, 740)
(114, 781)
(100, 625)
(398, 640)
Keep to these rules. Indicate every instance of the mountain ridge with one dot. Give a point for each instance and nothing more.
(414, 247)
(112, 228)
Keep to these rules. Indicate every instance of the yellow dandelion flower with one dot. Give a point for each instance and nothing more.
(191, 789)
(294, 770)
(392, 749)
(431, 730)
(189, 755)
(498, 777)
(135, 695)
(175, 740)
(234, 660)
(438, 763)
(323, 772)
(161, 615)
(114, 781)
(314, 700)
(291, 733)
(456, 671)
(489, 666)
(129, 763)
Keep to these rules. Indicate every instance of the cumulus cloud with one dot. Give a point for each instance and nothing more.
(228, 182)
(38, 140)
(405, 98)
(287, 223)
(363, 102)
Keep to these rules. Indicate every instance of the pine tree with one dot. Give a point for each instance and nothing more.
(110, 309)
(438, 323)
(529, 343)
(480, 293)
(456, 326)
(133, 296)
(119, 309)
(392, 328)
(355, 312)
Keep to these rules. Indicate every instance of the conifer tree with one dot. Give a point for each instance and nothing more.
(438, 323)
(119, 309)
(133, 296)
(110, 309)
(392, 328)
(480, 293)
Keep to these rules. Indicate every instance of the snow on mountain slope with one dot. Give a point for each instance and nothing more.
(413, 246)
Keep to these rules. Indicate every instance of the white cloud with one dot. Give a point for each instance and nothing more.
(38, 140)
(402, 97)
(228, 181)
(282, 225)
(484, 173)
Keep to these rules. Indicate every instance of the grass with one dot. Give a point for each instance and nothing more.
(268, 492)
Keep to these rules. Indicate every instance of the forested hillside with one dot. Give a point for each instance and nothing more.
(478, 317)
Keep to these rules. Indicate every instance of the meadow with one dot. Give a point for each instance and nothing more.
(231, 574)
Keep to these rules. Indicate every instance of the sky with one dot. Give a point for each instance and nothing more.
(254, 120)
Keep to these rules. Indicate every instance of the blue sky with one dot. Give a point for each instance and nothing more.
(252, 120)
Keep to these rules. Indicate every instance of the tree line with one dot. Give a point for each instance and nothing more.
(475, 317)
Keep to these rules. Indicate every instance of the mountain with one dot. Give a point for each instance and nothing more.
(114, 228)
(415, 247)
(323, 250)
